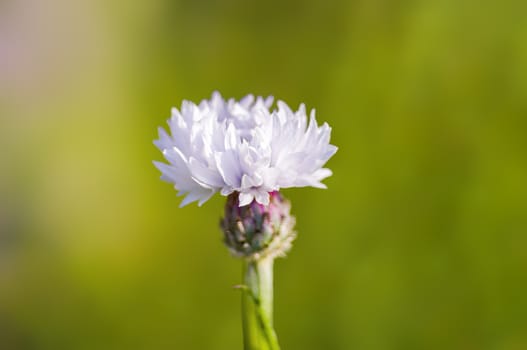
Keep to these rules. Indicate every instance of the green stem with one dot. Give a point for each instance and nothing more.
(257, 306)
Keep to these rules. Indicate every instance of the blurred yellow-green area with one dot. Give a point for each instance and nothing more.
(418, 243)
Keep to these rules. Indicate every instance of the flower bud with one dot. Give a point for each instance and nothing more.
(255, 230)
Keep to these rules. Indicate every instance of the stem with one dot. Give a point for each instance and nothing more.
(257, 306)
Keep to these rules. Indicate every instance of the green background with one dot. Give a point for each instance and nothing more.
(418, 243)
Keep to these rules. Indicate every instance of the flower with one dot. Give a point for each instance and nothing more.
(242, 146)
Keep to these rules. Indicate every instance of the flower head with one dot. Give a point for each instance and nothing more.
(242, 146)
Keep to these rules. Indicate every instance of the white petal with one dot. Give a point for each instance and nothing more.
(245, 198)
(262, 197)
(199, 195)
(249, 182)
(229, 168)
(205, 176)
(205, 198)
(231, 138)
(321, 174)
(247, 100)
(167, 171)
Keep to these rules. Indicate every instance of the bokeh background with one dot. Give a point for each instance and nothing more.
(419, 242)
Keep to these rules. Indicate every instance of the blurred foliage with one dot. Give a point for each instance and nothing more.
(419, 242)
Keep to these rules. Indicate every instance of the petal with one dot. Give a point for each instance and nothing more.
(205, 176)
(229, 168)
(251, 181)
(164, 141)
(262, 197)
(167, 171)
(205, 198)
(247, 100)
(201, 195)
(231, 138)
(245, 198)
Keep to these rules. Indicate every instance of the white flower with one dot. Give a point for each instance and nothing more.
(229, 146)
